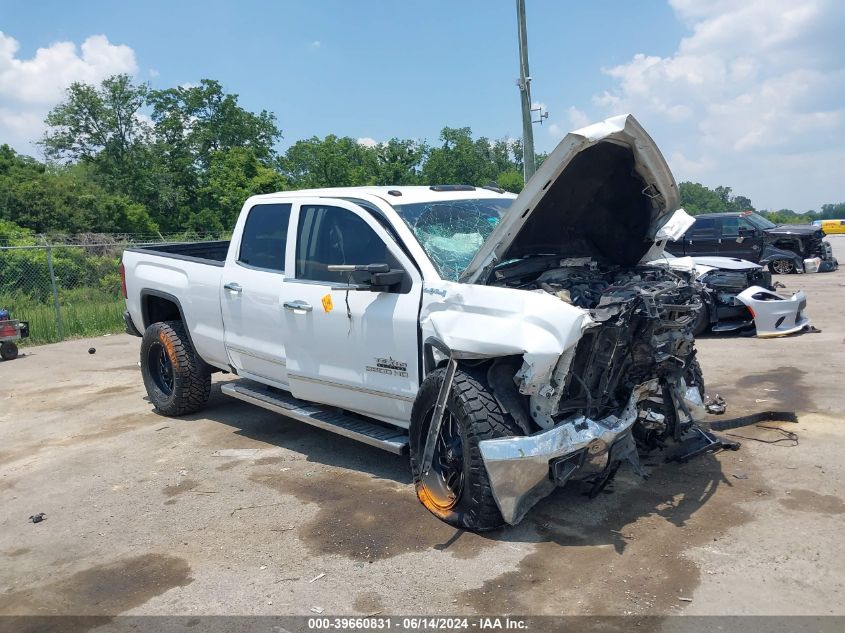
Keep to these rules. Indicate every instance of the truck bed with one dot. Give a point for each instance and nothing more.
(213, 253)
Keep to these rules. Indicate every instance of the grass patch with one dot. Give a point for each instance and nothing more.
(85, 312)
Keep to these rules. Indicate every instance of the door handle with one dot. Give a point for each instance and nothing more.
(298, 305)
(234, 287)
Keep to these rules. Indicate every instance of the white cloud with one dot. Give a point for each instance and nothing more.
(30, 87)
(367, 142)
(577, 118)
(750, 95)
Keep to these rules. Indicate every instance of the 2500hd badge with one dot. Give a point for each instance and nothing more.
(389, 367)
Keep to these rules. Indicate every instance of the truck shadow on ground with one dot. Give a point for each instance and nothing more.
(368, 509)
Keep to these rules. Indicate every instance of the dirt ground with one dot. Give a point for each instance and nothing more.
(241, 511)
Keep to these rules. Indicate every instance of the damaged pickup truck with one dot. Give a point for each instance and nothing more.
(509, 345)
(785, 248)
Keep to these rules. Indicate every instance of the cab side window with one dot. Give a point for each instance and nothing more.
(746, 227)
(264, 237)
(331, 235)
(705, 227)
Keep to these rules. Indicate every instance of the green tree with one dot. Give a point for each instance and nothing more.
(833, 211)
(696, 198)
(512, 181)
(101, 125)
(399, 162)
(461, 160)
(233, 176)
(64, 199)
(200, 120)
(329, 162)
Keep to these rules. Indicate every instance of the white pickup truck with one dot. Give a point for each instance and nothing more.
(509, 344)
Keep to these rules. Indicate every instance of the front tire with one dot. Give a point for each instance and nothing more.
(457, 489)
(176, 381)
(782, 266)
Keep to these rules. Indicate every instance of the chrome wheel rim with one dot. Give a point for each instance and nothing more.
(782, 266)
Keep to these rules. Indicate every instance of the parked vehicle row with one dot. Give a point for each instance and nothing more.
(787, 248)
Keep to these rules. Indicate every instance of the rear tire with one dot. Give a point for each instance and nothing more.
(176, 379)
(8, 350)
(473, 415)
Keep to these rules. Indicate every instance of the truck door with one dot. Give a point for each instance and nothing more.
(739, 238)
(253, 321)
(354, 349)
(702, 238)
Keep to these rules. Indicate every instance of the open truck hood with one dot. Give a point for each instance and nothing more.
(604, 192)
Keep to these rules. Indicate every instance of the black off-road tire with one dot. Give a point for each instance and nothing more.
(479, 417)
(8, 350)
(190, 379)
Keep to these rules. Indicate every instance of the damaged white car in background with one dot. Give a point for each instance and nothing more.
(737, 294)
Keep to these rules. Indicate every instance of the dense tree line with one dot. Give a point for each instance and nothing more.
(696, 198)
(122, 157)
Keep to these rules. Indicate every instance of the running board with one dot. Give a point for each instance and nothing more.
(331, 419)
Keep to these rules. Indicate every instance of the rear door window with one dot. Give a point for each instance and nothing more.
(264, 237)
(705, 227)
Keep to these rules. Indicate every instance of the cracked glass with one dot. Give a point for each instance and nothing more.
(452, 231)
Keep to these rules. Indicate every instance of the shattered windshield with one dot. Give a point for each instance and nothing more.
(452, 231)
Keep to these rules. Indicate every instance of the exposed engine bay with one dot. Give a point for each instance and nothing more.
(643, 318)
(632, 383)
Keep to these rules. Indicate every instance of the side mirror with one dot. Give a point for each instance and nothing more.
(385, 282)
(383, 278)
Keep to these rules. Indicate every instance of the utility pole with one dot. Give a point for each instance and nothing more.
(524, 84)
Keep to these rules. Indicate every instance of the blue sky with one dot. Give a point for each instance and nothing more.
(716, 83)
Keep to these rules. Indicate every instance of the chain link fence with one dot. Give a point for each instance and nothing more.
(69, 286)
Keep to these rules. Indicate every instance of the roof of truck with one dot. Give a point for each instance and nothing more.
(724, 214)
(404, 194)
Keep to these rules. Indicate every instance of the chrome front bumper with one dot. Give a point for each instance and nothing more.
(523, 470)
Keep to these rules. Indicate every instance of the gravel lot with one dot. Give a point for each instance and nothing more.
(240, 511)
